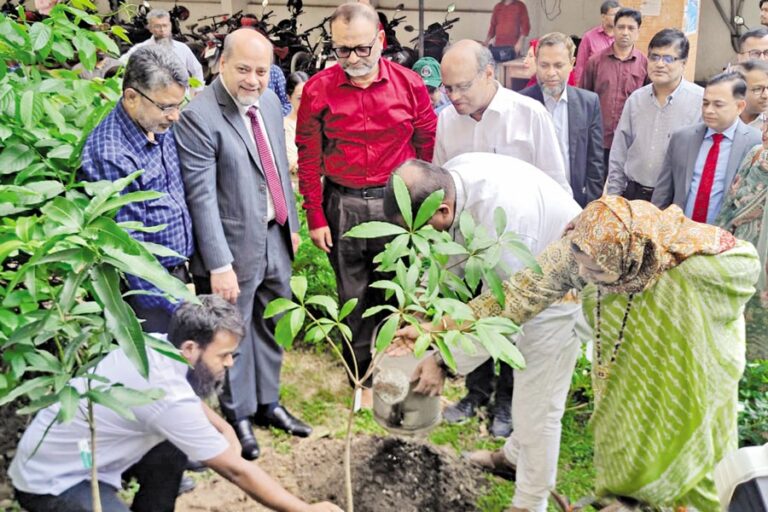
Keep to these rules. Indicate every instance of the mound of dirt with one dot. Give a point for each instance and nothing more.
(388, 474)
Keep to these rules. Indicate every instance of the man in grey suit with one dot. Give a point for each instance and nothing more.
(576, 113)
(235, 169)
(702, 159)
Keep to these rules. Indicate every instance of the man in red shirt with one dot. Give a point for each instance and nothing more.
(357, 122)
(616, 72)
(509, 25)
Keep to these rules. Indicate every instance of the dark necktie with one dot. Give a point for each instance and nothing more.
(701, 206)
(268, 166)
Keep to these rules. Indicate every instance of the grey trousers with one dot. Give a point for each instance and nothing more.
(352, 262)
(255, 377)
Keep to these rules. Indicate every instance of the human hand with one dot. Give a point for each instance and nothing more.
(295, 242)
(225, 285)
(429, 376)
(519, 46)
(321, 237)
(325, 506)
(404, 340)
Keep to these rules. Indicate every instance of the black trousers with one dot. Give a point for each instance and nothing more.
(352, 262)
(158, 473)
(482, 381)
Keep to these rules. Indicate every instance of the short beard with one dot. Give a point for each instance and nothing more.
(204, 383)
(360, 71)
(166, 41)
(553, 92)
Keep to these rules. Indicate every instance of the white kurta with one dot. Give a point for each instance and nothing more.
(538, 210)
(512, 125)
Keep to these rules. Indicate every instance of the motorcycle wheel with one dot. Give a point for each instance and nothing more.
(302, 61)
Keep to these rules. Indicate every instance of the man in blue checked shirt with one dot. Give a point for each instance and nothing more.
(136, 135)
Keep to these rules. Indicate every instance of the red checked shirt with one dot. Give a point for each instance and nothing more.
(508, 23)
(356, 137)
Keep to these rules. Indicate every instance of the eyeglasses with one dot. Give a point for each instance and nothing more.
(460, 88)
(759, 90)
(343, 52)
(166, 110)
(756, 54)
(666, 59)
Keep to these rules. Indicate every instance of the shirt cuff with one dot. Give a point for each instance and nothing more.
(221, 270)
(316, 219)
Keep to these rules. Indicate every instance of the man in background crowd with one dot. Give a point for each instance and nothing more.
(596, 39)
(756, 75)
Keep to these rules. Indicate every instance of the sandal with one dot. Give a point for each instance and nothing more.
(495, 463)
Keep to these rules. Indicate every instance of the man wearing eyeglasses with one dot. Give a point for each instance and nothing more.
(753, 45)
(357, 122)
(134, 136)
(650, 115)
(756, 74)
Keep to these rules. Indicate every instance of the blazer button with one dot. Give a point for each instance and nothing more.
(262, 188)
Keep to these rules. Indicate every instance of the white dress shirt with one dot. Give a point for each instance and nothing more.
(558, 109)
(182, 51)
(512, 125)
(120, 443)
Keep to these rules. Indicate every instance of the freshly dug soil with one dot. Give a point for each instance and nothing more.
(11, 428)
(388, 474)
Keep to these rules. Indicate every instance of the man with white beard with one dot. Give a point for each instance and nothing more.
(159, 24)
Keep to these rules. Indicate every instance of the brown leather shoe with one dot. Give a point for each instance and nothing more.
(495, 463)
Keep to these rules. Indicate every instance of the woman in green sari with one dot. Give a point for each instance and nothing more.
(745, 214)
(665, 298)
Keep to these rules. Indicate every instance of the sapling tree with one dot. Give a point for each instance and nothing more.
(431, 276)
(62, 309)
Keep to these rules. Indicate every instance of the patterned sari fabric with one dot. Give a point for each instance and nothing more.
(667, 410)
(744, 213)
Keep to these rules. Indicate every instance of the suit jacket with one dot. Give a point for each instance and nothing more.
(676, 175)
(585, 141)
(225, 186)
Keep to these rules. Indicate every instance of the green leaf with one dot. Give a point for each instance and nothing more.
(386, 333)
(6, 248)
(500, 220)
(422, 344)
(446, 353)
(161, 251)
(473, 272)
(330, 305)
(375, 310)
(495, 284)
(347, 308)
(69, 399)
(467, 226)
(389, 285)
(121, 320)
(104, 42)
(39, 36)
(62, 49)
(109, 401)
(428, 208)
(116, 203)
(120, 32)
(279, 305)
(374, 229)
(521, 251)
(86, 50)
(64, 212)
(135, 398)
(15, 158)
(62, 152)
(288, 327)
(27, 387)
(450, 249)
(165, 347)
(403, 198)
(299, 287)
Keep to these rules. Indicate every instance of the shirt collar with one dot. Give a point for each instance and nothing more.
(243, 109)
(632, 56)
(728, 132)
(672, 94)
(497, 103)
(133, 132)
(549, 99)
(383, 75)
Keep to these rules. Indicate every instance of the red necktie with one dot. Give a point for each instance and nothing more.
(268, 166)
(701, 206)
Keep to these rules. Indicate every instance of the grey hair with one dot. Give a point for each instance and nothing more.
(353, 10)
(154, 67)
(201, 322)
(425, 178)
(484, 58)
(157, 13)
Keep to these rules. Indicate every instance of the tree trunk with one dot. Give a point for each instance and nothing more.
(348, 451)
(95, 494)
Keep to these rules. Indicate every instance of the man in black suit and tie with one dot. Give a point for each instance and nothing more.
(576, 113)
(235, 169)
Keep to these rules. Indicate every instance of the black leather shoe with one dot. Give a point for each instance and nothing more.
(464, 409)
(502, 421)
(248, 441)
(280, 418)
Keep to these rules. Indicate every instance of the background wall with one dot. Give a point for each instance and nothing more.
(711, 50)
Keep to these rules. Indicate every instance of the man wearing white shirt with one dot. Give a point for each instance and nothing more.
(50, 471)
(486, 117)
(159, 24)
(756, 75)
(538, 211)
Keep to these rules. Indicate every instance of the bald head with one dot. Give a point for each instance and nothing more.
(353, 11)
(422, 179)
(245, 64)
(468, 77)
(466, 53)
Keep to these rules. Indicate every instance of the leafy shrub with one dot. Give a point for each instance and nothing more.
(753, 400)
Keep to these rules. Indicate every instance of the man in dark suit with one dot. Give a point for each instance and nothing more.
(702, 159)
(238, 187)
(576, 113)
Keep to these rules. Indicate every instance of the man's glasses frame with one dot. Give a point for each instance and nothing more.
(666, 59)
(166, 110)
(756, 54)
(461, 88)
(343, 52)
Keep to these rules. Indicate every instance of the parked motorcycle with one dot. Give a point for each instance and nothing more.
(395, 51)
(435, 36)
